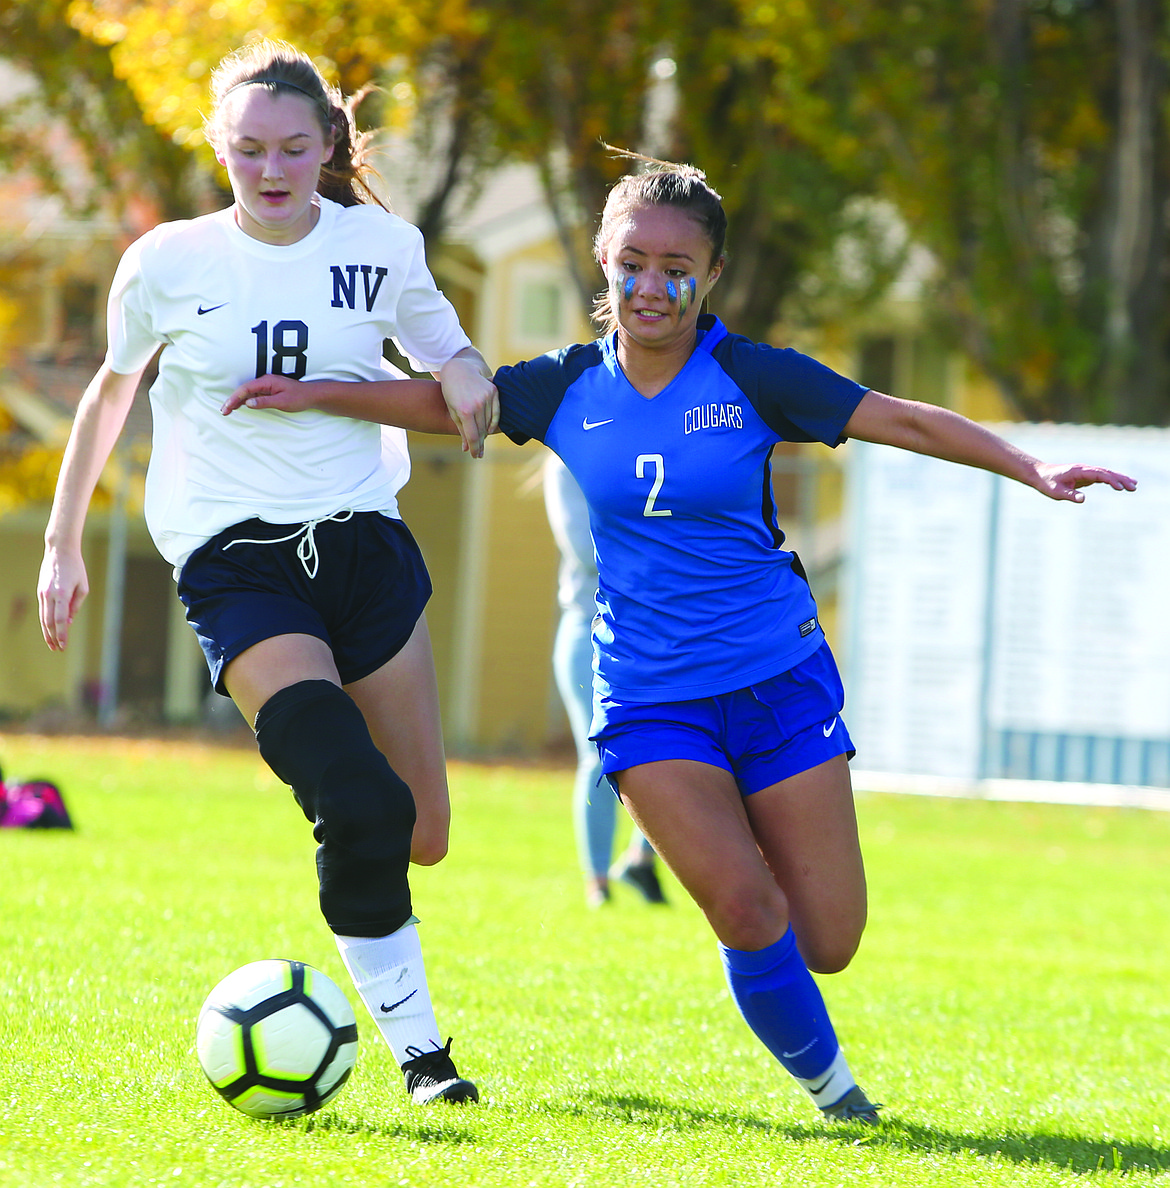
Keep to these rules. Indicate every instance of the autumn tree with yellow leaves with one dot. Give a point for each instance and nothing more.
(1023, 142)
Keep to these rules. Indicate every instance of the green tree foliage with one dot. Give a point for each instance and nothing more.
(556, 80)
(570, 76)
(1025, 143)
(760, 110)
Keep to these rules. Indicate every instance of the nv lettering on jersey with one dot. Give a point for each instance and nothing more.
(713, 416)
(345, 290)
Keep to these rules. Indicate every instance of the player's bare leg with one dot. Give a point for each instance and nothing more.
(806, 828)
(694, 817)
(274, 664)
(400, 702)
(701, 826)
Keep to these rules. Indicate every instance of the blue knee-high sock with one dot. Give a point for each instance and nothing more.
(781, 1003)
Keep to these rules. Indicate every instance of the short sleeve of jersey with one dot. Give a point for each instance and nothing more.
(129, 323)
(797, 397)
(531, 392)
(429, 332)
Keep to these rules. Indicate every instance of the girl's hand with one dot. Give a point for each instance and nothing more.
(1059, 481)
(472, 402)
(271, 391)
(61, 589)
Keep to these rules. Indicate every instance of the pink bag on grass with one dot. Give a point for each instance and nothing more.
(32, 804)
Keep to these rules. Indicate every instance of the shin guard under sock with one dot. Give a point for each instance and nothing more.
(314, 737)
(781, 1003)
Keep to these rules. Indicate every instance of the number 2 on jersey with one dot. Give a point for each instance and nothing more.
(655, 460)
(282, 349)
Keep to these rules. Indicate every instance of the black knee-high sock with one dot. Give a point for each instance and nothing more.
(315, 739)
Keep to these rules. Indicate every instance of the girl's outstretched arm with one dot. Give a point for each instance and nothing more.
(928, 429)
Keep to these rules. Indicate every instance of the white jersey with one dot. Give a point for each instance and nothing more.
(227, 308)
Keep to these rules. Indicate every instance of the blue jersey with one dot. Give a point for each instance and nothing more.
(697, 595)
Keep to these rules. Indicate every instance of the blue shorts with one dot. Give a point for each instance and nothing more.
(368, 589)
(761, 735)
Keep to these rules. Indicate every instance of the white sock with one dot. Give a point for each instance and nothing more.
(832, 1084)
(388, 973)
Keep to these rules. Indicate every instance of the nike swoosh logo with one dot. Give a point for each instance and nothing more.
(587, 424)
(827, 730)
(814, 1089)
(799, 1051)
(395, 1005)
(211, 308)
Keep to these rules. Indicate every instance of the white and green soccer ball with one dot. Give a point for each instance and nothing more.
(277, 1039)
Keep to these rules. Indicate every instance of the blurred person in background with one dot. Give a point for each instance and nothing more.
(594, 808)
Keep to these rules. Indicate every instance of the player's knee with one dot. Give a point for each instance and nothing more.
(363, 806)
(829, 950)
(828, 959)
(427, 850)
(432, 824)
(314, 737)
(427, 855)
(746, 915)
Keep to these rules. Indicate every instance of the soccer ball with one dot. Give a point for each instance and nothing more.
(277, 1039)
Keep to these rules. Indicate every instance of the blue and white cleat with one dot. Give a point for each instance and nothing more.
(853, 1107)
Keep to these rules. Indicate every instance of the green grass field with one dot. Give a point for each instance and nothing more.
(1009, 1003)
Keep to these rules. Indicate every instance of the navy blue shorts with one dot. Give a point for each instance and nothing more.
(761, 735)
(368, 589)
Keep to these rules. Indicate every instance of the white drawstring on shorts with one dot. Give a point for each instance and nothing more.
(307, 546)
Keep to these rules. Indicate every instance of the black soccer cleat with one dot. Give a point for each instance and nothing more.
(432, 1076)
(642, 877)
(853, 1107)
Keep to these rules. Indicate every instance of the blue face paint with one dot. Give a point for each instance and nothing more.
(684, 294)
(628, 290)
